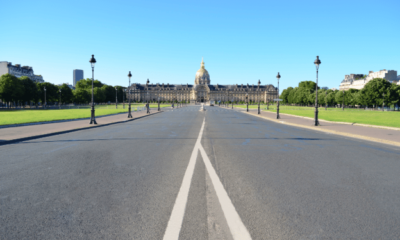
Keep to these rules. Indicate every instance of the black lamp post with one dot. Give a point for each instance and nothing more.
(45, 102)
(232, 102)
(258, 97)
(92, 118)
(343, 102)
(59, 104)
(277, 104)
(247, 102)
(326, 104)
(383, 104)
(129, 76)
(158, 103)
(317, 62)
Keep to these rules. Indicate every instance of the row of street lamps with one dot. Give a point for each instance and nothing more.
(92, 61)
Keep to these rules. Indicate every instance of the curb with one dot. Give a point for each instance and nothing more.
(6, 142)
(397, 144)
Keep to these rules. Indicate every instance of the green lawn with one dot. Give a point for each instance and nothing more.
(31, 116)
(379, 118)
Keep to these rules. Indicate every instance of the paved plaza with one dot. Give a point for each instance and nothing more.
(190, 174)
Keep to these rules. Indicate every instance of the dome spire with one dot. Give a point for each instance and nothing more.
(202, 62)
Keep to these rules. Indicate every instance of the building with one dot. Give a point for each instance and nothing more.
(18, 71)
(201, 91)
(358, 81)
(77, 75)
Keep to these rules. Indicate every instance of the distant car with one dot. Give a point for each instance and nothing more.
(212, 103)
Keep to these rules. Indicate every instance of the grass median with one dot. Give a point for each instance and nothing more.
(378, 118)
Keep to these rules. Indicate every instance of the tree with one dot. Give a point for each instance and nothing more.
(308, 85)
(109, 92)
(339, 97)
(66, 94)
(285, 94)
(82, 95)
(87, 84)
(10, 88)
(29, 89)
(372, 92)
(51, 92)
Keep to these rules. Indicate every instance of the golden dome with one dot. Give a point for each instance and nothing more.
(202, 76)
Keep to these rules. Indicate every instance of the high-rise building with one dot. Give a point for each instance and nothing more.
(78, 75)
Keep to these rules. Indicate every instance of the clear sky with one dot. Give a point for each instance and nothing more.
(241, 41)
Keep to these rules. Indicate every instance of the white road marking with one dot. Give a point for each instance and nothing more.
(238, 230)
(178, 212)
(236, 226)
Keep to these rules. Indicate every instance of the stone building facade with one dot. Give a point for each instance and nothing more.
(18, 71)
(358, 81)
(201, 91)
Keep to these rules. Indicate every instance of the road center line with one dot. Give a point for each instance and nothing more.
(238, 230)
(178, 212)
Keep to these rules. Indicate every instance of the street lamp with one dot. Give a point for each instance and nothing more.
(317, 62)
(59, 104)
(45, 103)
(277, 105)
(326, 104)
(116, 101)
(158, 103)
(258, 97)
(92, 118)
(247, 101)
(383, 105)
(129, 76)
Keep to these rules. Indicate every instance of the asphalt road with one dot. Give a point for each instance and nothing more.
(187, 174)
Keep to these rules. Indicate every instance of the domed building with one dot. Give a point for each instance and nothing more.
(201, 91)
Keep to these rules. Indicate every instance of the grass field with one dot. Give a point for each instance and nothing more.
(379, 118)
(30, 116)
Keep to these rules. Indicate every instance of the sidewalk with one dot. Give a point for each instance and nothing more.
(26, 132)
(371, 133)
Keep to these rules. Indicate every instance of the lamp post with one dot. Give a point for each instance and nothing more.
(116, 101)
(59, 104)
(232, 102)
(247, 102)
(92, 118)
(326, 104)
(343, 102)
(383, 104)
(45, 102)
(317, 62)
(258, 97)
(129, 76)
(277, 105)
(158, 103)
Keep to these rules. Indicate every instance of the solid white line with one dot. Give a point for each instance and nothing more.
(238, 230)
(178, 212)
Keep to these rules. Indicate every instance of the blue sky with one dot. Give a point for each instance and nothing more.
(241, 41)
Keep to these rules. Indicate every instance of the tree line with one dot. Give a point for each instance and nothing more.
(24, 91)
(372, 95)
